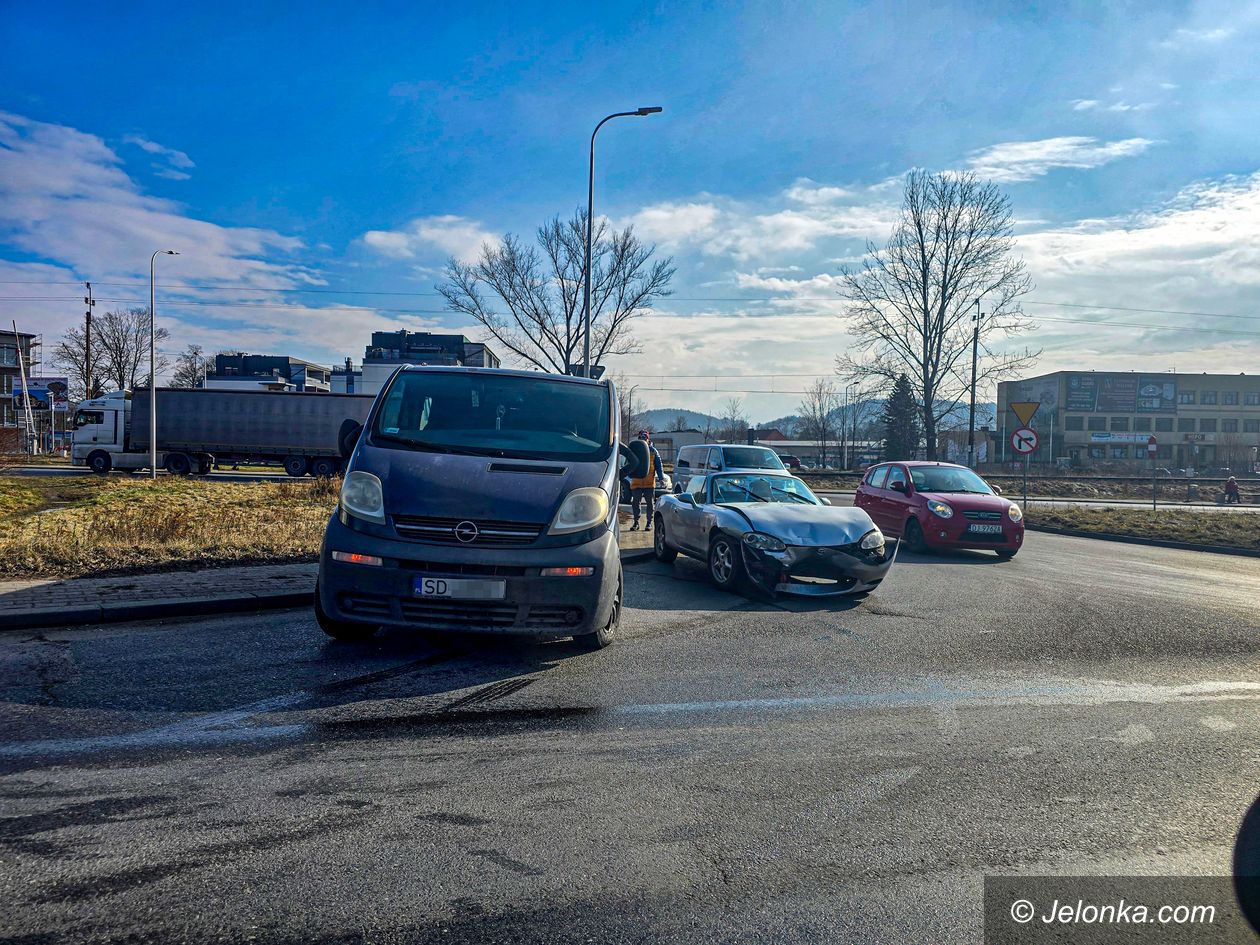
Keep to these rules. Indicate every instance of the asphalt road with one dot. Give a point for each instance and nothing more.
(730, 770)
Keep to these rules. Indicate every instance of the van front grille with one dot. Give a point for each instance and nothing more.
(456, 531)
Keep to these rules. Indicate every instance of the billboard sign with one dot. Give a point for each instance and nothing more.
(43, 393)
(1117, 393)
(1082, 392)
(1156, 394)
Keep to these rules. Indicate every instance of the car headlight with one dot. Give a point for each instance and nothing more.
(362, 497)
(940, 509)
(763, 542)
(1015, 512)
(581, 509)
(873, 540)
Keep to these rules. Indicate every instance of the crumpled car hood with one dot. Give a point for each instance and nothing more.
(811, 525)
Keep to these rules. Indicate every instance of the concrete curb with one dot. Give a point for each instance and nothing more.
(43, 617)
(1134, 540)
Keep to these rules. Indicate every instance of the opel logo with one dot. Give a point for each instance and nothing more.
(466, 532)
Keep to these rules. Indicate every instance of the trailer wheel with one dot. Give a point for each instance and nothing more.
(178, 464)
(100, 463)
(295, 466)
(324, 467)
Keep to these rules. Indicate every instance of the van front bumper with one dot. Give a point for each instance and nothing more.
(532, 604)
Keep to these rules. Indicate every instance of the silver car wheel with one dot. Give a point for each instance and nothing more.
(721, 562)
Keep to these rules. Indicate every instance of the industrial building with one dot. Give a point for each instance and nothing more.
(241, 371)
(1107, 418)
(389, 349)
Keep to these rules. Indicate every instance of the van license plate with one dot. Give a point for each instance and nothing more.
(459, 588)
(987, 529)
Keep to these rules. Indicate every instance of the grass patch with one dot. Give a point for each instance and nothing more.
(110, 525)
(1237, 530)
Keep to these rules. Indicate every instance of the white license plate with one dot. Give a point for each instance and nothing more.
(460, 588)
(987, 529)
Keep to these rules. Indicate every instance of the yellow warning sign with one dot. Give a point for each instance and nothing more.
(1025, 410)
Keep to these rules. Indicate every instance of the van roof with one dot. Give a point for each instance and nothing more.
(503, 372)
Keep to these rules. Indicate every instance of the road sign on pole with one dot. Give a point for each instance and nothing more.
(1025, 409)
(1152, 448)
(1024, 440)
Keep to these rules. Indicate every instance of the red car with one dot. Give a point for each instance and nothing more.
(940, 505)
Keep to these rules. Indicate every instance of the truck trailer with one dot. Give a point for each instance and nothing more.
(197, 428)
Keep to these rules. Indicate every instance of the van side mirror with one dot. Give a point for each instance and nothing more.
(348, 436)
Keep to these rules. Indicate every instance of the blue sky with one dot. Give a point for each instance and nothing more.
(353, 147)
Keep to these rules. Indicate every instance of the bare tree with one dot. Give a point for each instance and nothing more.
(678, 423)
(530, 298)
(819, 422)
(120, 352)
(733, 421)
(632, 408)
(912, 301)
(189, 367)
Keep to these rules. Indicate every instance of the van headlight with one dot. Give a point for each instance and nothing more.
(581, 509)
(873, 541)
(1015, 512)
(940, 509)
(763, 542)
(362, 497)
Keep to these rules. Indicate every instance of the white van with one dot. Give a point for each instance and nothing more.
(719, 457)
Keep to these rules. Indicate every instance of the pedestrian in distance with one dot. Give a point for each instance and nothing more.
(1231, 491)
(643, 489)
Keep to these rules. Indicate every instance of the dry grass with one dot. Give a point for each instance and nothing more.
(113, 525)
(1235, 529)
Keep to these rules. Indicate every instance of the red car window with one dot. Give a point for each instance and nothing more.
(875, 478)
(895, 474)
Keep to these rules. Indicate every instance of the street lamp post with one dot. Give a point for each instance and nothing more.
(153, 365)
(971, 414)
(590, 222)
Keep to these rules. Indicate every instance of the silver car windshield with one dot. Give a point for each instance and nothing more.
(745, 488)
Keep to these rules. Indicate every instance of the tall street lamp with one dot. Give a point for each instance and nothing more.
(590, 220)
(971, 414)
(153, 365)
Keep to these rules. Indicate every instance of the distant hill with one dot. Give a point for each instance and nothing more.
(662, 418)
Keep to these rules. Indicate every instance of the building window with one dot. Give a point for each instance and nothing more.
(1207, 426)
(1142, 424)
(1229, 426)
(1097, 452)
(1208, 398)
(1074, 423)
(1120, 424)
(1185, 397)
(1098, 423)
(1119, 452)
(1252, 398)
(1251, 426)
(1163, 452)
(1185, 424)
(1163, 424)
(1229, 398)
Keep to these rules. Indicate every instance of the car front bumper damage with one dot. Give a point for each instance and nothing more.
(811, 571)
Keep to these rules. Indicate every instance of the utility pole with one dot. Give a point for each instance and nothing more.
(87, 342)
(971, 415)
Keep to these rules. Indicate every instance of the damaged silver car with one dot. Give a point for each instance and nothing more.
(770, 529)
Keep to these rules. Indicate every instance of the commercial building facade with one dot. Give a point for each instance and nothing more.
(241, 371)
(1107, 418)
(389, 349)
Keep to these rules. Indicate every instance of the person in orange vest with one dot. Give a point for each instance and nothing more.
(643, 489)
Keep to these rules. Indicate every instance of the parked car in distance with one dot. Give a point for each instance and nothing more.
(766, 526)
(790, 461)
(720, 457)
(940, 505)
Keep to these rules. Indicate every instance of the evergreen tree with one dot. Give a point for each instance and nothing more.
(900, 421)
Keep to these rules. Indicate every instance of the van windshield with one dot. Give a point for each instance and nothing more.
(751, 457)
(495, 415)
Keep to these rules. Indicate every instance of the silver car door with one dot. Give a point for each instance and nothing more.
(688, 530)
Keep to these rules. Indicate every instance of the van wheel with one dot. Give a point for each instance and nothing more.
(177, 464)
(323, 468)
(100, 463)
(342, 629)
(601, 638)
(660, 547)
(295, 466)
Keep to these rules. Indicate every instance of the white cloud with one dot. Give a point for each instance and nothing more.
(808, 192)
(1014, 161)
(671, 224)
(1184, 38)
(1084, 104)
(173, 157)
(449, 234)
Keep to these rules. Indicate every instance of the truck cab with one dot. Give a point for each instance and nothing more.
(100, 432)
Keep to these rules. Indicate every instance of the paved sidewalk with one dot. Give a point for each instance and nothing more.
(59, 602)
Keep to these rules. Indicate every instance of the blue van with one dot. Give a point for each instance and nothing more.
(479, 500)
